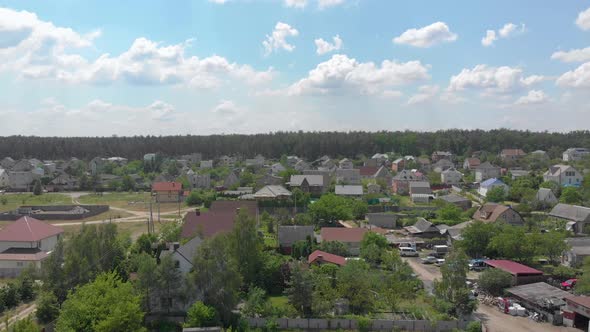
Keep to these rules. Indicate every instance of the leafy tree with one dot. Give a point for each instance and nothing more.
(554, 186)
(53, 275)
(552, 245)
(496, 194)
(302, 248)
(37, 188)
(583, 284)
(47, 307)
(452, 288)
(300, 288)
(170, 231)
(513, 243)
(449, 212)
(255, 302)
(26, 291)
(372, 248)
(24, 325)
(246, 248)
(354, 284)
(331, 208)
(494, 281)
(268, 221)
(9, 295)
(147, 281)
(476, 238)
(216, 276)
(274, 272)
(358, 208)
(570, 195)
(201, 315)
(334, 247)
(168, 280)
(105, 304)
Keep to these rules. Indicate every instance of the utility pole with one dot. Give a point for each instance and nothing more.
(151, 220)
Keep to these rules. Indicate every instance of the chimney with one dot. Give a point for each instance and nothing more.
(198, 211)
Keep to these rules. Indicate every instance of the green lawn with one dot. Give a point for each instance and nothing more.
(9, 201)
(136, 201)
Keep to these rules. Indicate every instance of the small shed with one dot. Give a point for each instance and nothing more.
(521, 274)
(543, 298)
(385, 220)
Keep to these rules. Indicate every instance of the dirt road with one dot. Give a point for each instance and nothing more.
(492, 318)
(22, 314)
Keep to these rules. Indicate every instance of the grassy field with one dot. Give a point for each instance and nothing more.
(138, 201)
(134, 229)
(9, 201)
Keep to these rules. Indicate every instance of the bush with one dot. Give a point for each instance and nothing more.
(494, 281)
(364, 324)
(474, 326)
(201, 315)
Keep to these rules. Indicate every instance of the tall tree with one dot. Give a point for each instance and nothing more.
(354, 284)
(453, 288)
(246, 248)
(300, 288)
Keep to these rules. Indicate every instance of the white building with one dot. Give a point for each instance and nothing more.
(4, 179)
(564, 175)
(451, 176)
(575, 154)
(345, 164)
(26, 242)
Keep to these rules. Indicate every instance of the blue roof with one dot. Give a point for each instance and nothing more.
(492, 181)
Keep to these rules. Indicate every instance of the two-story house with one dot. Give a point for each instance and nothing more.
(563, 175)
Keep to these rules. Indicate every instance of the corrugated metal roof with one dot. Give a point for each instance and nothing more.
(512, 267)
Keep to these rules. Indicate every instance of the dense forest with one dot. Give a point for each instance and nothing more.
(309, 145)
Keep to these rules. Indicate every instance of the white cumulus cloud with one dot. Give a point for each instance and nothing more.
(427, 36)
(575, 55)
(502, 79)
(329, 3)
(577, 78)
(278, 38)
(425, 93)
(296, 3)
(341, 75)
(489, 38)
(508, 30)
(323, 47)
(583, 20)
(533, 97)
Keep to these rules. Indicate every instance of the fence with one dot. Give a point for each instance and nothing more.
(52, 212)
(352, 324)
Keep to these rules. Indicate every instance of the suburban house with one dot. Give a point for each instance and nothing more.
(420, 192)
(96, 164)
(206, 164)
(576, 216)
(345, 164)
(149, 157)
(492, 212)
(23, 165)
(193, 158)
(368, 172)
(490, 184)
(516, 173)
(292, 160)
(277, 168)
(384, 175)
(313, 184)
(257, 161)
(301, 165)
(471, 163)
(521, 274)
(442, 165)
(327, 175)
(288, 235)
(401, 181)
(62, 182)
(355, 190)
(540, 154)
(231, 180)
(26, 242)
(546, 196)
(380, 158)
(269, 180)
(575, 154)
(219, 218)
(348, 176)
(424, 164)
(4, 179)
(564, 175)
(451, 176)
(398, 164)
(454, 233)
(423, 228)
(7, 163)
(460, 201)
(383, 220)
(511, 155)
(486, 171)
(272, 192)
(226, 160)
(351, 237)
(579, 249)
(183, 254)
(320, 257)
(167, 192)
(373, 188)
(22, 181)
(199, 181)
(439, 155)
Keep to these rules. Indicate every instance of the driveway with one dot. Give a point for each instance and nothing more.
(492, 318)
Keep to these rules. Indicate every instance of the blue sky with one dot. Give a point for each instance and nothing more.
(245, 66)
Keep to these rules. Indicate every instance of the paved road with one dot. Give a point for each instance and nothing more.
(492, 318)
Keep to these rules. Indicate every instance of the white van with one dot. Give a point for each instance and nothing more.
(408, 252)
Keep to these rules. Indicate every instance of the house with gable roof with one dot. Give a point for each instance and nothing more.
(490, 184)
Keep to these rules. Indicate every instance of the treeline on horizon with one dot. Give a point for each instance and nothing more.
(309, 145)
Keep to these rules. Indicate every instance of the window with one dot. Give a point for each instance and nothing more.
(177, 264)
(20, 264)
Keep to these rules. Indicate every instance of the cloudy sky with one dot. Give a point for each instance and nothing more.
(99, 68)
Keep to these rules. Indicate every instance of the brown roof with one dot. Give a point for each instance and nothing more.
(343, 234)
(583, 301)
(473, 162)
(27, 229)
(513, 152)
(368, 170)
(232, 206)
(166, 186)
(207, 224)
(322, 256)
(489, 212)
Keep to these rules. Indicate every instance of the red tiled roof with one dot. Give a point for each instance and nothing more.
(342, 234)
(583, 301)
(24, 257)
(322, 256)
(27, 229)
(368, 170)
(473, 162)
(166, 186)
(207, 223)
(511, 267)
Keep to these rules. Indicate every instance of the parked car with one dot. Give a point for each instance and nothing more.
(429, 260)
(477, 265)
(440, 250)
(569, 284)
(408, 252)
(440, 261)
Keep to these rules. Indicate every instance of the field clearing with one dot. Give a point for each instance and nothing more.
(137, 201)
(134, 229)
(10, 201)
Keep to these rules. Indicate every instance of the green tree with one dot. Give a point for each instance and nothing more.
(302, 248)
(201, 315)
(570, 195)
(355, 285)
(37, 188)
(255, 302)
(170, 231)
(330, 208)
(449, 212)
(476, 238)
(358, 209)
(47, 307)
(453, 288)
(372, 248)
(216, 276)
(147, 281)
(168, 281)
(494, 281)
(334, 247)
(105, 304)
(513, 243)
(300, 288)
(246, 248)
(552, 245)
(496, 194)
(583, 284)
(24, 325)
